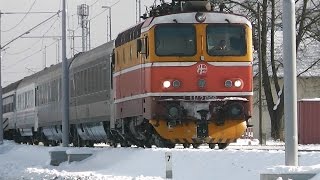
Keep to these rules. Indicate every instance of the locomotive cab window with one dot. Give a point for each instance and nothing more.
(226, 40)
(175, 40)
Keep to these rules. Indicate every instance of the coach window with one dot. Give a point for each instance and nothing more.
(85, 81)
(106, 76)
(46, 93)
(90, 80)
(78, 83)
(226, 40)
(99, 78)
(82, 82)
(175, 40)
(95, 76)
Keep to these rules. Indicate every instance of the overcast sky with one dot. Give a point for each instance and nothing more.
(27, 55)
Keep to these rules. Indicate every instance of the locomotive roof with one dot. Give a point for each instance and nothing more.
(182, 17)
(128, 35)
(189, 17)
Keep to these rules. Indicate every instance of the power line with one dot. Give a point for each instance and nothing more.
(30, 47)
(27, 32)
(104, 10)
(34, 2)
(94, 3)
(98, 14)
(25, 58)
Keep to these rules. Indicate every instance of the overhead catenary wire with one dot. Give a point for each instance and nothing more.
(27, 32)
(34, 2)
(32, 45)
(104, 10)
(27, 57)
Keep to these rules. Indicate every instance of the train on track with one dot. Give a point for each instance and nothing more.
(182, 76)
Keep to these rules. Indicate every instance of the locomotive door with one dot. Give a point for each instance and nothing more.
(143, 57)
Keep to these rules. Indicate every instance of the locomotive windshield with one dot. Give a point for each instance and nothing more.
(226, 40)
(175, 40)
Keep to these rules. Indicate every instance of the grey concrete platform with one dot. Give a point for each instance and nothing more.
(293, 176)
(57, 156)
(78, 154)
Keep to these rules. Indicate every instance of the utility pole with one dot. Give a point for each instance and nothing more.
(138, 11)
(262, 141)
(45, 57)
(58, 51)
(290, 83)
(72, 42)
(65, 81)
(83, 13)
(109, 18)
(1, 103)
(109, 24)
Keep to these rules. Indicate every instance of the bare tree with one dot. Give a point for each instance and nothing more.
(308, 21)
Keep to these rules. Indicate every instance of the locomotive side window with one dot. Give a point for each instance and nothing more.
(226, 40)
(175, 40)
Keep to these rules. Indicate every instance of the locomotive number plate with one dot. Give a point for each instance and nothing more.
(201, 98)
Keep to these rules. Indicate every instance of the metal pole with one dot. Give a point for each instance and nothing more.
(83, 34)
(58, 52)
(139, 11)
(73, 44)
(290, 83)
(108, 29)
(45, 57)
(110, 24)
(260, 78)
(1, 115)
(65, 81)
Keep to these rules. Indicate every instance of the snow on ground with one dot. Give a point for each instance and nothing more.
(33, 162)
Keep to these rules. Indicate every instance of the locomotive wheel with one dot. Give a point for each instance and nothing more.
(212, 145)
(186, 145)
(159, 142)
(35, 142)
(46, 143)
(222, 145)
(195, 145)
(114, 144)
(148, 145)
(125, 144)
(54, 143)
(170, 145)
(89, 143)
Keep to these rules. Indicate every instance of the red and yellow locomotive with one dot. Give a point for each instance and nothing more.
(184, 75)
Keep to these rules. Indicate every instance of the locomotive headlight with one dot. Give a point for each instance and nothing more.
(201, 83)
(228, 83)
(238, 83)
(235, 110)
(200, 17)
(166, 84)
(176, 83)
(173, 112)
